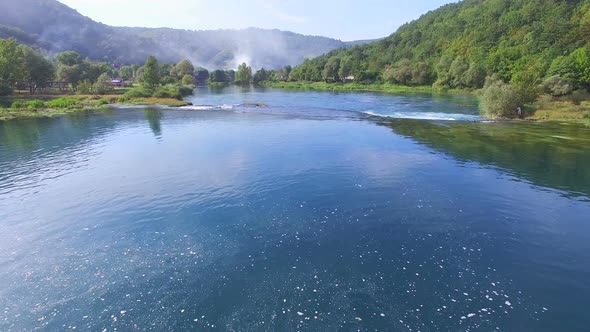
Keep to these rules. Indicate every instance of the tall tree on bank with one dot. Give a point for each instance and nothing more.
(183, 68)
(36, 70)
(244, 74)
(151, 73)
(9, 69)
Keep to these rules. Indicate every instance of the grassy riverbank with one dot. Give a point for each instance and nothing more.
(544, 109)
(49, 106)
(561, 111)
(346, 87)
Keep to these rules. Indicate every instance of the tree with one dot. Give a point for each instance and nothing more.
(151, 73)
(102, 86)
(499, 100)
(183, 68)
(187, 80)
(126, 72)
(72, 74)
(10, 65)
(330, 72)
(244, 74)
(37, 71)
(201, 75)
(218, 76)
(69, 58)
(261, 76)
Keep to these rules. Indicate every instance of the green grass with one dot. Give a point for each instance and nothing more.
(375, 87)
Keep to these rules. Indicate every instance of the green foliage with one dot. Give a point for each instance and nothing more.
(65, 102)
(331, 69)
(499, 100)
(10, 64)
(244, 74)
(85, 88)
(184, 68)
(218, 76)
(151, 73)
(459, 44)
(33, 104)
(138, 92)
(187, 80)
(578, 96)
(102, 101)
(557, 86)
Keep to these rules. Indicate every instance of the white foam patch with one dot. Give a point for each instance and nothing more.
(207, 107)
(428, 116)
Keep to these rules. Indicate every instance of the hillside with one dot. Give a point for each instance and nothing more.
(54, 26)
(459, 44)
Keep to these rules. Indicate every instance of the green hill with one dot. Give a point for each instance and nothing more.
(459, 44)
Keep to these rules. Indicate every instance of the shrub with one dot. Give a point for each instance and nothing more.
(186, 90)
(138, 92)
(499, 100)
(85, 88)
(33, 104)
(5, 90)
(102, 101)
(579, 96)
(587, 115)
(187, 80)
(65, 102)
(168, 91)
(557, 86)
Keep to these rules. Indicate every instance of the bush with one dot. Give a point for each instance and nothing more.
(499, 100)
(138, 92)
(85, 88)
(587, 115)
(579, 96)
(33, 104)
(102, 101)
(187, 80)
(186, 90)
(65, 102)
(5, 90)
(557, 86)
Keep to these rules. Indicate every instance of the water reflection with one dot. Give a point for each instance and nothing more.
(547, 154)
(154, 117)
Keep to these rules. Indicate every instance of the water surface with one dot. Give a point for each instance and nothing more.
(309, 214)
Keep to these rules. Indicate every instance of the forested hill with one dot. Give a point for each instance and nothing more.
(51, 25)
(459, 44)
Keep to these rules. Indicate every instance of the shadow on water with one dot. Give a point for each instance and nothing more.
(154, 117)
(547, 154)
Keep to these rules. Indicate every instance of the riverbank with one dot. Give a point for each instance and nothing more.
(542, 110)
(50, 106)
(347, 87)
(561, 111)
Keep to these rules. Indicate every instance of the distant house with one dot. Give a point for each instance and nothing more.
(117, 83)
(348, 78)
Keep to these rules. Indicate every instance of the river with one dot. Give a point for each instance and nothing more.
(261, 209)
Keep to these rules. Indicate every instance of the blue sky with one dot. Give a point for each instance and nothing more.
(341, 19)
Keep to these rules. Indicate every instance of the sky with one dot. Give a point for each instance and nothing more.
(341, 19)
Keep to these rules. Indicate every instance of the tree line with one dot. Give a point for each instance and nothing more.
(518, 48)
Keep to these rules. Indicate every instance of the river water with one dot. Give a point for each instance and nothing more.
(294, 211)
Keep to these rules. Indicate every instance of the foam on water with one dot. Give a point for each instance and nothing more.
(207, 107)
(427, 116)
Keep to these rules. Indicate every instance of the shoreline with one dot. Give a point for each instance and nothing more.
(44, 106)
(357, 87)
(47, 106)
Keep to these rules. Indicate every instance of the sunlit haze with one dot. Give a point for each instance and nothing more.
(345, 20)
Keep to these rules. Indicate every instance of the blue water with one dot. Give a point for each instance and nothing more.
(307, 214)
